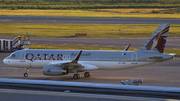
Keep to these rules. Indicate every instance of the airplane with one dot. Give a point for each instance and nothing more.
(62, 62)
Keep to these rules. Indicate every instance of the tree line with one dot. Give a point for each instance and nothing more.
(86, 1)
(86, 4)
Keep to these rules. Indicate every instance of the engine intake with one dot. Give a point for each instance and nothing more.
(54, 71)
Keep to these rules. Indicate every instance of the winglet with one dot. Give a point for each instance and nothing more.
(157, 40)
(126, 49)
(77, 57)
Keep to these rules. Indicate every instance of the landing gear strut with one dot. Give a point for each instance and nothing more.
(76, 76)
(87, 74)
(26, 72)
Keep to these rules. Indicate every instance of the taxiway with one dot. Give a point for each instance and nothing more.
(84, 20)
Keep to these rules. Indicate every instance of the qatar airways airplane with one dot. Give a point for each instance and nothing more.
(62, 62)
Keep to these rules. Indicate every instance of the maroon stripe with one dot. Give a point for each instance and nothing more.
(163, 32)
(162, 41)
(161, 44)
(165, 29)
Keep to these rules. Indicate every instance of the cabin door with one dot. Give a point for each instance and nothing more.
(134, 58)
(22, 56)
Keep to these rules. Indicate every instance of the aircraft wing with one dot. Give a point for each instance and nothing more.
(73, 65)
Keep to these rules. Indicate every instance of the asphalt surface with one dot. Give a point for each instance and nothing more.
(84, 20)
(160, 74)
(29, 95)
(172, 42)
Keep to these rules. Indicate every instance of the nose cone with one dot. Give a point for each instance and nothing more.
(5, 61)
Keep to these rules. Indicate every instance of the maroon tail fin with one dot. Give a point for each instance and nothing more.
(157, 40)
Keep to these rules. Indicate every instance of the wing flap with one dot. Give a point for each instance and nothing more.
(87, 67)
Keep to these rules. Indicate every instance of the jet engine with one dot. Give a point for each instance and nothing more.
(54, 71)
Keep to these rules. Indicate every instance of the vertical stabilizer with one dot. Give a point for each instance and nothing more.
(157, 40)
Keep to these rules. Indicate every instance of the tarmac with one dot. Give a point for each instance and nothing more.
(84, 20)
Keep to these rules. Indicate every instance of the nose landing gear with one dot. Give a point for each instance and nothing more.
(26, 72)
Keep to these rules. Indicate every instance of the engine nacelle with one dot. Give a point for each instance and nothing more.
(54, 71)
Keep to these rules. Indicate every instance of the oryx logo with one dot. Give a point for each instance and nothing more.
(154, 44)
(158, 41)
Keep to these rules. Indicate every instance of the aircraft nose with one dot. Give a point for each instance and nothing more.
(5, 61)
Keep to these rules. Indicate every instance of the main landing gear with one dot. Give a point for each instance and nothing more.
(26, 72)
(86, 74)
(76, 76)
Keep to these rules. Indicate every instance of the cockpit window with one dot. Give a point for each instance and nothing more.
(12, 55)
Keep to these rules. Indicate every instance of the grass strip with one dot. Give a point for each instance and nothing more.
(92, 30)
(136, 13)
(87, 47)
(86, 4)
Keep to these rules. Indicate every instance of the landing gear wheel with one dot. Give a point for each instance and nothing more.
(25, 74)
(76, 76)
(87, 74)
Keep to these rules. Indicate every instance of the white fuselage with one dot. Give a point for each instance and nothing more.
(104, 60)
(103, 65)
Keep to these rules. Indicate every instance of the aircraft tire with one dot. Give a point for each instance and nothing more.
(25, 74)
(79, 76)
(87, 74)
(76, 76)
